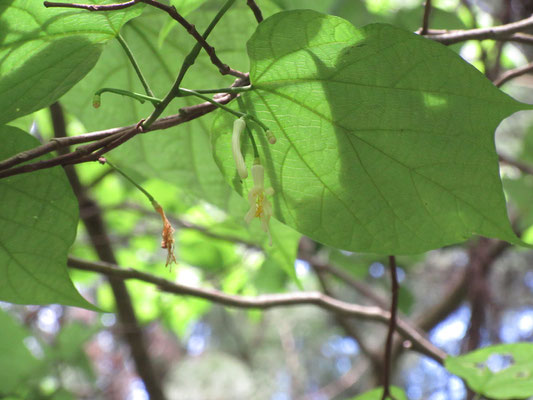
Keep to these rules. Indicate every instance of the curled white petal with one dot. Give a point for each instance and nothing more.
(258, 175)
(238, 127)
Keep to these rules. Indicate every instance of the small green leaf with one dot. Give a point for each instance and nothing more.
(16, 362)
(376, 394)
(385, 139)
(38, 221)
(45, 51)
(503, 371)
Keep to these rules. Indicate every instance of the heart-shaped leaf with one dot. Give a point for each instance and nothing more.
(385, 139)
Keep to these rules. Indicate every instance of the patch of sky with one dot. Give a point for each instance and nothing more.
(137, 391)
(449, 333)
(517, 325)
(198, 338)
(430, 380)
(302, 268)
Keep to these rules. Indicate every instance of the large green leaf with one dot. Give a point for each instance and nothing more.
(38, 221)
(385, 139)
(45, 51)
(503, 371)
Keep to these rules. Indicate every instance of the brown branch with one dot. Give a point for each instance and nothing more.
(501, 32)
(191, 29)
(92, 7)
(513, 73)
(525, 168)
(425, 19)
(345, 277)
(265, 301)
(256, 10)
(91, 215)
(100, 138)
(392, 327)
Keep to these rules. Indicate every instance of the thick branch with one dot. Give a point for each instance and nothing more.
(495, 32)
(265, 301)
(256, 10)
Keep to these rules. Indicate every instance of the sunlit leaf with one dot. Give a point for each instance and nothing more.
(503, 371)
(385, 139)
(45, 51)
(39, 216)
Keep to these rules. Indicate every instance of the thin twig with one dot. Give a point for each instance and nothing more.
(256, 10)
(513, 73)
(191, 29)
(93, 7)
(525, 168)
(425, 19)
(100, 139)
(392, 328)
(495, 32)
(265, 301)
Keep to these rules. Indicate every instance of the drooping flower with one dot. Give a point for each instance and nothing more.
(238, 127)
(260, 206)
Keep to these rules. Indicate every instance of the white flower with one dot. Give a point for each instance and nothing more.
(260, 206)
(238, 127)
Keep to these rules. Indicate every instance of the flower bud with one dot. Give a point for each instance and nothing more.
(238, 127)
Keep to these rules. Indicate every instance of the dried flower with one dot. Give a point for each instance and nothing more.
(260, 206)
(168, 235)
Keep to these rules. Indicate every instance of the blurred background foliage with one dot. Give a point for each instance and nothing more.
(205, 351)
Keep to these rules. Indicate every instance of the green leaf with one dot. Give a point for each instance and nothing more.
(39, 216)
(385, 139)
(46, 51)
(503, 371)
(376, 394)
(16, 362)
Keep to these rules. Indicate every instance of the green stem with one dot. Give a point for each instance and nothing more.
(249, 131)
(215, 103)
(137, 96)
(187, 63)
(135, 66)
(225, 108)
(148, 195)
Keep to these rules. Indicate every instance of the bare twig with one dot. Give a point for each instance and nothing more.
(525, 168)
(425, 19)
(191, 29)
(92, 7)
(502, 32)
(255, 9)
(513, 73)
(265, 301)
(392, 327)
(101, 138)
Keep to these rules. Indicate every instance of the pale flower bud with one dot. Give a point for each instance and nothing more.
(238, 127)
